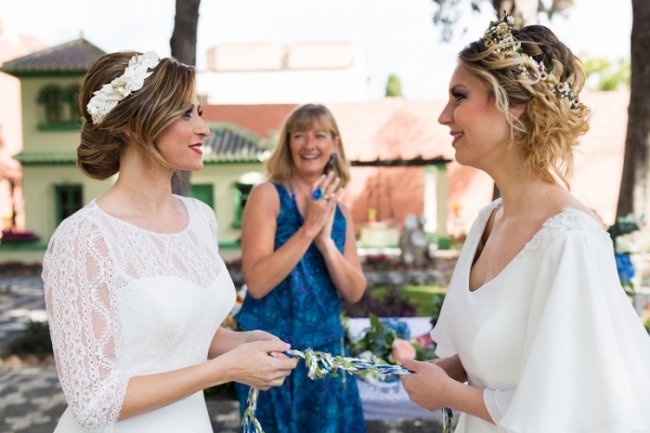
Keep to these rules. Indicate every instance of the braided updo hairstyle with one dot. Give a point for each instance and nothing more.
(138, 119)
(549, 129)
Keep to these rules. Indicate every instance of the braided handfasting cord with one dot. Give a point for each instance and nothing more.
(321, 364)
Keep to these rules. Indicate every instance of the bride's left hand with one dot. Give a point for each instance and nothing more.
(426, 386)
(259, 335)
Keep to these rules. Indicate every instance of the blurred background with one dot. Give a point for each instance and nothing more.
(382, 67)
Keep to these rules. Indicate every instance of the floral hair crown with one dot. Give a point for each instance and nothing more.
(507, 47)
(106, 98)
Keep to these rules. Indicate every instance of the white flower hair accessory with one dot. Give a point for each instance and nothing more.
(499, 34)
(106, 98)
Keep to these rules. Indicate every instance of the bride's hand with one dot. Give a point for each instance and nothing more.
(427, 385)
(453, 367)
(254, 364)
(258, 335)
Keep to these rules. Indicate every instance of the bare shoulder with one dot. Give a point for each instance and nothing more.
(264, 193)
(563, 215)
(264, 197)
(564, 203)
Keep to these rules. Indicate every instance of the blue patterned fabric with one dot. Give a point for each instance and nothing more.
(303, 310)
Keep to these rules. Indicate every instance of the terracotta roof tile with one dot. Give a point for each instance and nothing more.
(71, 57)
(261, 119)
(229, 143)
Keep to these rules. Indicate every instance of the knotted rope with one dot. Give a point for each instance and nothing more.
(321, 364)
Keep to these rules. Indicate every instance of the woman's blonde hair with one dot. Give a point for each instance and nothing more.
(279, 167)
(549, 129)
(137, 120)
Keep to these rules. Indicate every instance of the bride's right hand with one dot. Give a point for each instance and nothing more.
(453, 367)
(254, 364)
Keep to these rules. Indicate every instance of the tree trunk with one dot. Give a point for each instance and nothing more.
(186, 22)
(634, 194)
(183, 45)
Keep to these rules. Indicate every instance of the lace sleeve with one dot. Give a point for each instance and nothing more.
(81, 306)
(207, 213)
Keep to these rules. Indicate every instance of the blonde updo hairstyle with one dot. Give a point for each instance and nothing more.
(280, 167)
(548, 130)
(137, 120)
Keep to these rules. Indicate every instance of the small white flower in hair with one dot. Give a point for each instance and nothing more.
(499, 33)
(106, 98)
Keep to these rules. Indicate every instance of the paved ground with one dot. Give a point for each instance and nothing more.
(31, 400)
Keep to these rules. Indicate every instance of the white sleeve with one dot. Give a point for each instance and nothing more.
(441, 336)
(81, 306)
(586, 363)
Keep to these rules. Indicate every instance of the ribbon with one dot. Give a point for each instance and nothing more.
(320, 364)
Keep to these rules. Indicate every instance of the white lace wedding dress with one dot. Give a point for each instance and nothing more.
(125, 302)
(553, 340)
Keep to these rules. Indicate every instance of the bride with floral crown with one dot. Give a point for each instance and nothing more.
(536, 334)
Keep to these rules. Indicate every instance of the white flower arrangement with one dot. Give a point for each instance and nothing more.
(499, 33)
(106, 98)
(373, 376)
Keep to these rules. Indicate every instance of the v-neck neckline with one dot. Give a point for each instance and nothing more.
(516, 256)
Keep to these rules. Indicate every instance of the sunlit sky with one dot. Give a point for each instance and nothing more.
(399, 35)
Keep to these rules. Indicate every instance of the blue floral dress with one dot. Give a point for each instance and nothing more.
(304, 310)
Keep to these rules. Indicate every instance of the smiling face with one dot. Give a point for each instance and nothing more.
(311, 149)
(481, 133)
(181, 143)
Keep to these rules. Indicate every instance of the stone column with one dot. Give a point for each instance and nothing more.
(430, 205)
(444, 242)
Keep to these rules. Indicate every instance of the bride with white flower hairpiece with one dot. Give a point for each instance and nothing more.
(134, 285)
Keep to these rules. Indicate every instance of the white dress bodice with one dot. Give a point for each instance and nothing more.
(123, 302)
(552, 340)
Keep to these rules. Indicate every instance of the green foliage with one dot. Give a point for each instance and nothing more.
(397, 301)
(388, 301)
(10, 237)
(378, 339)
(437, 301)
(624, 225)
(423, 353)
(393, 87)
(603, 75)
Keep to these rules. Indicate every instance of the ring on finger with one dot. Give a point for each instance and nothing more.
(317, 194)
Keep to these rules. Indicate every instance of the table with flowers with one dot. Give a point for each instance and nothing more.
(388, 400)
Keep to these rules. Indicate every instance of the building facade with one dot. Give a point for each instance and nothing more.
(53, 186)
(274, 74)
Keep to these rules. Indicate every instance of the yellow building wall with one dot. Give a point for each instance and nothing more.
(40, 207)
(224, 177)
(33, 138)
(39, 183)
